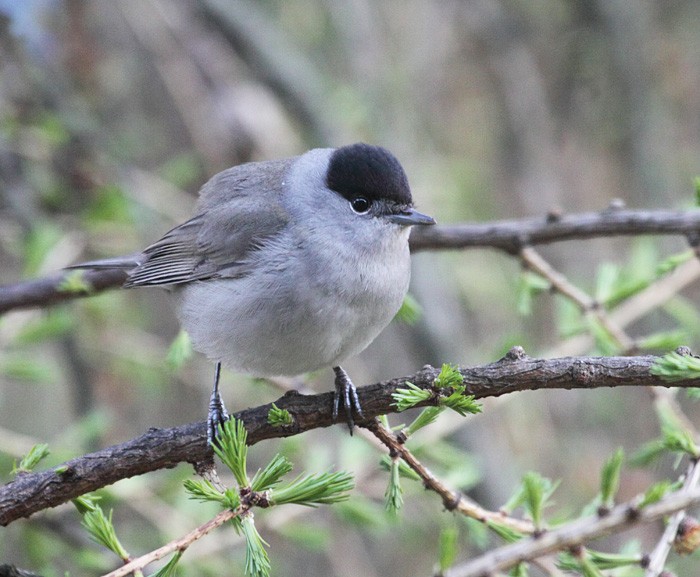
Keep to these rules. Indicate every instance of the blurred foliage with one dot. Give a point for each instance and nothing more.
(113, 114)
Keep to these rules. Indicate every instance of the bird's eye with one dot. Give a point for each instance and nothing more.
(360, 204)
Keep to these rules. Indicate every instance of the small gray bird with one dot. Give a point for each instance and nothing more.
(289, 265)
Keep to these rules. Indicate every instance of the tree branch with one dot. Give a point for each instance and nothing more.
(165, 448)
(572, 534)
(510, 236)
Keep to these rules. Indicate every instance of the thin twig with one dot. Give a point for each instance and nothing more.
(588, 305)
(572, 534)
(178, 544)
(657, 559)
(452, 500)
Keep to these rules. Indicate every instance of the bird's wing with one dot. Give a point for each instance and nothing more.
(239, 210)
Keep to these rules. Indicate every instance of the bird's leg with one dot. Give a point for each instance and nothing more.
(345, 393)
(217, 411)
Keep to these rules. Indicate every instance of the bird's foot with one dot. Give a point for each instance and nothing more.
(345, 394)
(218, 414)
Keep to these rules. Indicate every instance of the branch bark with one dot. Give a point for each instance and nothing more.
(510, 236)
(166, 448)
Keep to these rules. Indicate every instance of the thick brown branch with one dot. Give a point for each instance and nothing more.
(508, 235)
(165, 448)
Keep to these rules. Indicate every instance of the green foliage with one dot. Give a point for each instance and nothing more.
(530, 285)
(610, 478)
(316, 489)
(180, 351)
(257, 562)
(272, 474)
(231, 448)
(404, 470)
(393, 496)
(534, 494)
(99, 526)
(426, 417)
(410, 311)
(676, 367)
(449, 379)
(203, 490)
(599, 560)
(74, 283)
(508, 534)
(448, 547)
(35, 455)
(279, 417)
(409, 397)
(169, 569)
(656, 492)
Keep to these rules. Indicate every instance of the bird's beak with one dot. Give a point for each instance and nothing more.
(411, 217)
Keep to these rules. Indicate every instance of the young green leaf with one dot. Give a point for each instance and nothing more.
(449, 377)
(100, 527)
(393, 496)
(168, 570)
(257, 562)
(409, 397)
(203, 490)
(656, 492)
(536, 493)
(461, 403)
(448, 547)
(232, 450)
(180, 351)
(676, 367)
(279, 417)
(426, 417)
(74, 282)
(312, 490)
(610, 478)
(506, 533)
(410, 311)
(31, 459)
(404, 470)
(268, 477)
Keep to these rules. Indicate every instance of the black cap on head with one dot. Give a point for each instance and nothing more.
(371, 171)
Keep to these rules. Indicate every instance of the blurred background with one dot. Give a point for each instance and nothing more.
(113, 114)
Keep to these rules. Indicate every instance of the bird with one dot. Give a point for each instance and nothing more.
(288, 266)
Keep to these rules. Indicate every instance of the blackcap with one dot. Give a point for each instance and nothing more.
(289, 265)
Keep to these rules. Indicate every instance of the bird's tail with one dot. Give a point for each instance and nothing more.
(128, 262)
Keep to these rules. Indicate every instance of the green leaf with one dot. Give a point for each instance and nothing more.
(449, 377)
(272, 474)
(696, 187)
(656, 492)
(404, 470)
(426, 417)
(232, 450)
(312, 490)
(100, 526)
(410, 311)
(508, 534)
(257, 562)
(461, 403)
(279, 417)
(603, 339)
(31, 459)
(520, 570)
(409, 397)
(74, 282)
(610, 478)
(673, 261)
(536, 492)
(168, 570)
(180, 351)
(600, 560)
(530, 284)
(675, 367)
(663, 340)
(648, 453)
(393, 496)
(448, 547)
(203, 490)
